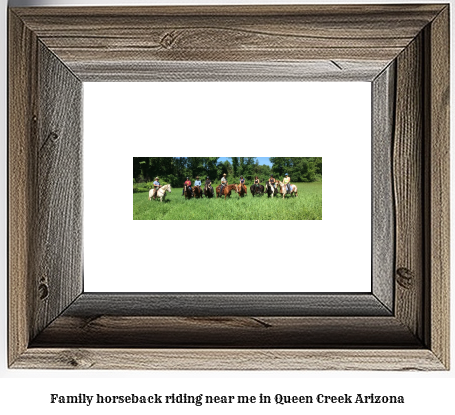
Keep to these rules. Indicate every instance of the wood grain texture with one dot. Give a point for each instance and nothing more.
(45, 187)
(227, 34)
(257, 332)
(438, 192)
(308, 70)
(229, 359)
(383, 215)
(408, 188)
(22, 95)
(58, 204)
(212, 305)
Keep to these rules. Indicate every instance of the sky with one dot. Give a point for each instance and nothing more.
(262, 160)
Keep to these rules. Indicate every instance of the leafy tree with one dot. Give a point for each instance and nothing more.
(318, 164)
(210, 166)
(235, 165)
(225, 167)
(196, 166)
(249, 167)
(241, 166)
(300, 169)
(174, 170)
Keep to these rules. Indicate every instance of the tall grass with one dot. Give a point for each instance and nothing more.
(308, 205)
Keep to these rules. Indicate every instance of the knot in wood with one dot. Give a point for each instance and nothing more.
(405, 278)
(77, 359)
(53, 136)
(43, 291)
(168, 39)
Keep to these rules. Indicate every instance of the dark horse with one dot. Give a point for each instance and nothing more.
(226, 191)
(208, 192)
(197, 192)
(271, 191)
(257, 190)
(242, 190)
(187, 192)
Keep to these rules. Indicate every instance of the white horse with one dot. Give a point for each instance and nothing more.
(284, 189)
(161, 192)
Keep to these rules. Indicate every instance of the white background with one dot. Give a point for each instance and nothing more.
(28, 391)
(332, 120)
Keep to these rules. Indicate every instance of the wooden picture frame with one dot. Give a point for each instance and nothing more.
(403, 324)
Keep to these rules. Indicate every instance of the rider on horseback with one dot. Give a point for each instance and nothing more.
(287, 182)
(208, 185)
(272, 181)
(197, 183)
(242, 187)
(186, 185)
(256, 182)
(157, 186)
(223, 183)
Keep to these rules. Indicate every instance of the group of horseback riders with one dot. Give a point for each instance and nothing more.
(197, 184)
(208, 190)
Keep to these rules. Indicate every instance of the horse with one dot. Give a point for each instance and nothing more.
(271, 191)
(217, 191)
(283, 189)
(161, 192)
(197, 192)
(257, 189)
(242, 190)
(187, 192)
(208, 191)
(227, 190)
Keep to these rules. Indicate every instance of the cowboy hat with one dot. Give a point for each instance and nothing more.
(224, 174)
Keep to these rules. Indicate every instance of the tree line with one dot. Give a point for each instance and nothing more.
(174, 170)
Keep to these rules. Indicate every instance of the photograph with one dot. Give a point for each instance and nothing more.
(227, 188)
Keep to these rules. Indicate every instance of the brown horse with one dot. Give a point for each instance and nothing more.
(208, 191)
(187, 192)
(242, 190)
(197, 192)
(257, 190)
(227, 190)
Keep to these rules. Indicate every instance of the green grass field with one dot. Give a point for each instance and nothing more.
(308, 205)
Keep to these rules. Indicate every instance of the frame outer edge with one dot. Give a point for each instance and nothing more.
(22, 120)
(229, 359)
(439, 212)
(22, 95)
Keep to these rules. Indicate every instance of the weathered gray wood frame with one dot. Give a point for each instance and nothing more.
(403, 50)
